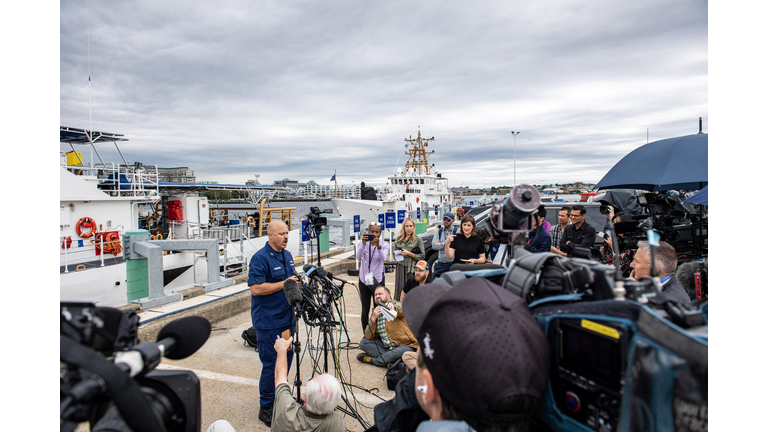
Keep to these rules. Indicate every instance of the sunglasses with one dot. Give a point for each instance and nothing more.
(376, 223)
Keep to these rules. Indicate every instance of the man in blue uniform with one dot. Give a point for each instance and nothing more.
(271, 315)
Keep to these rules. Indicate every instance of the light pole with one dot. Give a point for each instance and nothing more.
(514, 139)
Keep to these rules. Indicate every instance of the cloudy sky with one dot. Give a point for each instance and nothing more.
(299, 89)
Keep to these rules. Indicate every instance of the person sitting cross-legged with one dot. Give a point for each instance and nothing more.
(386, 340)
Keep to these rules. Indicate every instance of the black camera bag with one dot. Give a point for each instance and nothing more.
(533, 276)
(395, 373)
(249, 336)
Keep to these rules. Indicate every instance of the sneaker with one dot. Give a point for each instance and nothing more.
(265, 415)
(364, 358)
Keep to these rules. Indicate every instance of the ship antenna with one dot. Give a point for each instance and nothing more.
(90, 116)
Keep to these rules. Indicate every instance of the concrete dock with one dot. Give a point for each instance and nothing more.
(229, 370)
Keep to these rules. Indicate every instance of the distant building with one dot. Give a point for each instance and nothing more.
(313, 189)
(293, 184)
(208, 182)
(176, 175)
(552, 190)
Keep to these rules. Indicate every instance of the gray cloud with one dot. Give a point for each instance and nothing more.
(300, 89)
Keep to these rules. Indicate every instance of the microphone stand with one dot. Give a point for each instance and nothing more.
(619, 292)
(297, 352)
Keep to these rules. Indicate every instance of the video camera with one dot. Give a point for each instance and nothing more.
(682, 225)
(107, 377)
(317, 221)
(624, 356)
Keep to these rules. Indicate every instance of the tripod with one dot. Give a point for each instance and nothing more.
(313, 231)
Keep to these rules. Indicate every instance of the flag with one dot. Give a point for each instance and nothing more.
(333, 178)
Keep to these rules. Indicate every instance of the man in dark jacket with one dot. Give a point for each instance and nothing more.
(539, 239)
(666, 264)
(579, 233)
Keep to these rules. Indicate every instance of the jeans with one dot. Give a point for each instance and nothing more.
(440, 268)
(268, 357)
(380, 355)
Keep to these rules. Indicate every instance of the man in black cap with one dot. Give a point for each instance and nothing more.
(483, 360)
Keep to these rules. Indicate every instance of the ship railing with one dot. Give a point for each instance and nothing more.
(230, 236)
(89, 246)
(121, 180)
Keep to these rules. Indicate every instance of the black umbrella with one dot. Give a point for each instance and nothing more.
(672, 163)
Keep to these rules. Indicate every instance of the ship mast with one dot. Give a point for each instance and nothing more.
(417, 154)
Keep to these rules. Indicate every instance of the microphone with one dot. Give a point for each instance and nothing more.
(318, 273)
(693, 277)
(183, 337)
(177, 340)
(292, 292)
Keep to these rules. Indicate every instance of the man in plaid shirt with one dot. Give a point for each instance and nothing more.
(556, 232)
(386, 340)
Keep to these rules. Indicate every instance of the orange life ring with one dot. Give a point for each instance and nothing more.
(85, 222)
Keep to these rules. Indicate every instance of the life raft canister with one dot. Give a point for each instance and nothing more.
(85, 222)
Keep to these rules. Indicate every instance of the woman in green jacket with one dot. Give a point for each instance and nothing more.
(412, 248)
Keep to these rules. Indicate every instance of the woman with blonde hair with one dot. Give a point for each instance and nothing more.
(412, 248)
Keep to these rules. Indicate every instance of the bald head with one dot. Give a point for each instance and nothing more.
(277, 231)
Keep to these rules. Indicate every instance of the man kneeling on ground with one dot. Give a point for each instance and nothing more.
(385, 341)
(321, 396)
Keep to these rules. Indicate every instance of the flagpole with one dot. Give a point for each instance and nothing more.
(336, 185)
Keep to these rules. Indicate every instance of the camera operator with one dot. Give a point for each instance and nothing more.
(372, 253)
(578, 233)
(385, 341)
(271, 314)
(607, 252)
(483, 360)
(666, 264)
(320, 398)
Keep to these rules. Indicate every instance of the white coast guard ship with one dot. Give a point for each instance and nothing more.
(416, 186)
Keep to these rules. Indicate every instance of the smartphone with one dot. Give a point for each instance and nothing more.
(369, 237)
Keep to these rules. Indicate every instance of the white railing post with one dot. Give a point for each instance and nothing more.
(66, 260)
(101, 240)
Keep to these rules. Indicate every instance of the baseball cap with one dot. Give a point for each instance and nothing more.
(448, 215)
(480, 343)
(422, 265)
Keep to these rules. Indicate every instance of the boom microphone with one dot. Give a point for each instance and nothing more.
(687, 273)
(183, 337)
(177, 340)
(292, 292)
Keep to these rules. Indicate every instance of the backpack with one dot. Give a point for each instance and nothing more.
(249, 336)
(395, 372)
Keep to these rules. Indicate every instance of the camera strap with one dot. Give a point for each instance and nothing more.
(134, 409)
